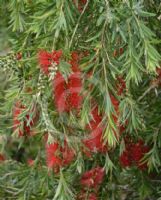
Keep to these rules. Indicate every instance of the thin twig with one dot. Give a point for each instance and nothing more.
(146, 92)
(76, 27)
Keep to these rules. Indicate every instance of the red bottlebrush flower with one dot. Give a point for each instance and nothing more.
(2, 158)
(134, 154)
(46, 59)
(52, 155)
(75, 87)
(56, 55)
(87, 182)
(95, 143)
(67, 96)
(125, 159)
(87, 179)
(67, 154)
(93, 178)
(74, 66)
(75, 83)
(60, 93)
(75, 56)
(57, 156)
(138, 151)
(99, 175)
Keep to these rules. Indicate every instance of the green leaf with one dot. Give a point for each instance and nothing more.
(65, 69)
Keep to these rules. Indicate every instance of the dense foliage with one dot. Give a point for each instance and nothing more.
(80, 99)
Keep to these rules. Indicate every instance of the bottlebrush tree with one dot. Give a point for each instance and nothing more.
(80, 115)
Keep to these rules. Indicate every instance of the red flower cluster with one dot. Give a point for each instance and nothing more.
(60, 93)
(94, 142)
(46, 59)
(58, 156)
(67, 94)
(134, 154)
(23, 127)
(2, 158)
(75, 83)
(91, 179)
